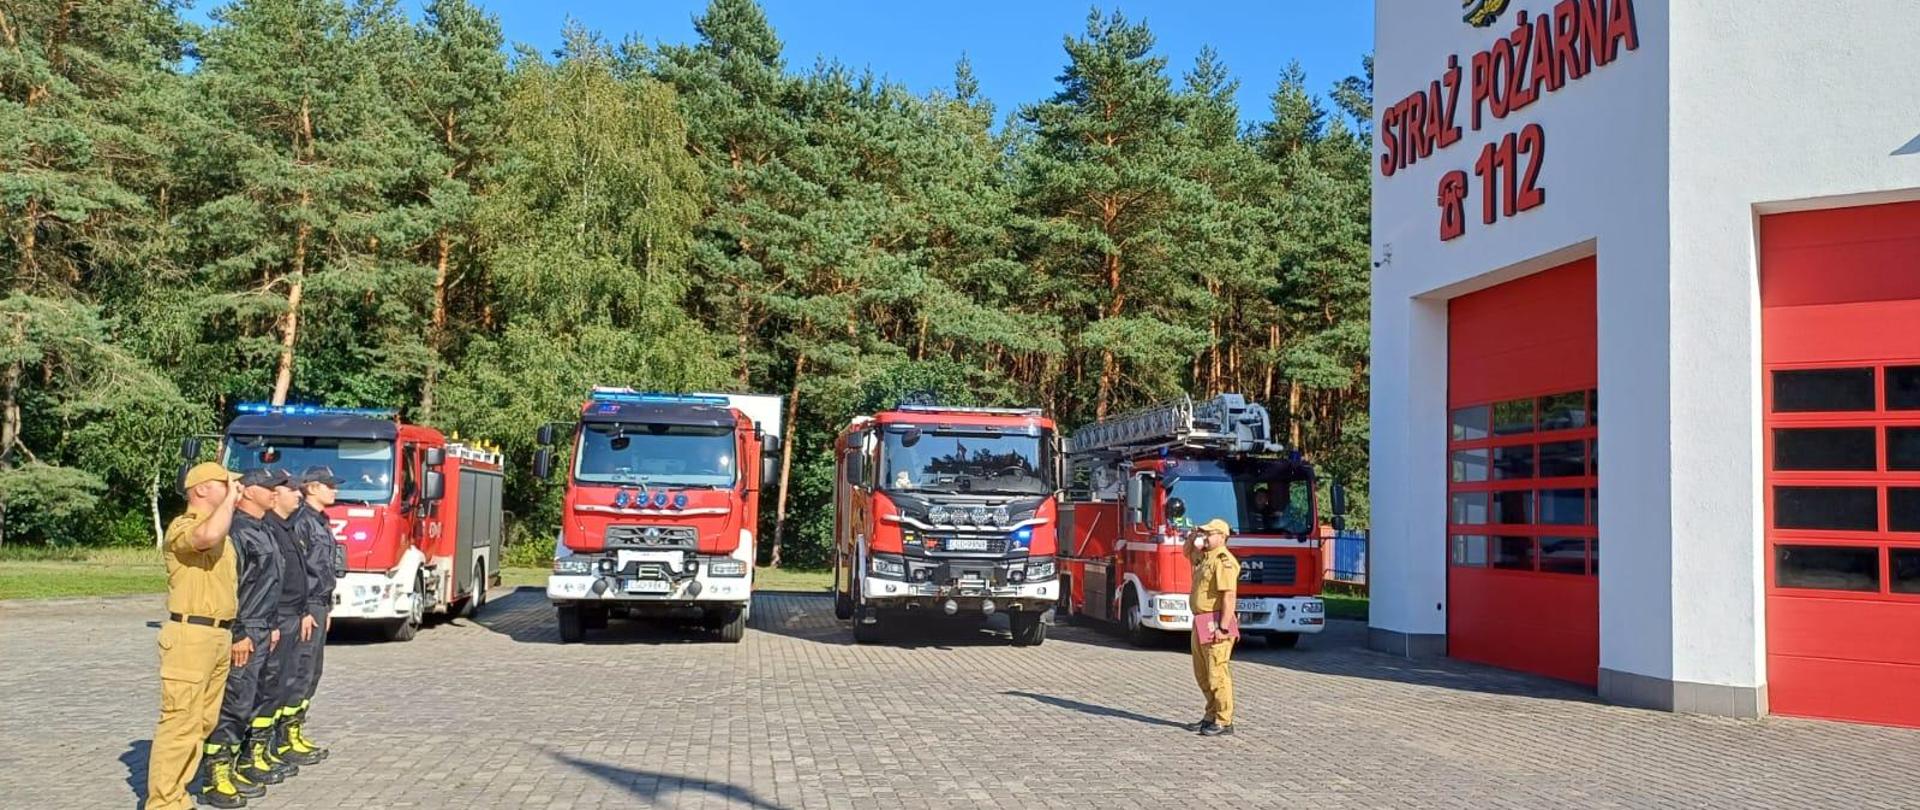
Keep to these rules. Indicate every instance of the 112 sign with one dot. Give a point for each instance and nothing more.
(1509, 173)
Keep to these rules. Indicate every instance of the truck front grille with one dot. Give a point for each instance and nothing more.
(651, 536)
(1269, 570)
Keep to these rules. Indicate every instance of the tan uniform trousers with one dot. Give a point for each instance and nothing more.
(193, 677)
(1216, 681)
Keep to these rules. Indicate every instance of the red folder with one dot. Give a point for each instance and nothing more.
(1210, 630)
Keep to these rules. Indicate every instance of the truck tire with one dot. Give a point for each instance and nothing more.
(405, 629)
(864, 633)
(1283, 641)
(842, 600)
(572, 626)
(735, 627)
(478, 598)
(1028, 629)
(1138, 633)
(1063, 607)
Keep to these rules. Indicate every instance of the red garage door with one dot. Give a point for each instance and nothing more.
(1522, 478)
(1840, 292)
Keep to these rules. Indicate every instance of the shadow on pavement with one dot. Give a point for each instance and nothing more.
(651, 786)
(135, 759)
(526, 616)
(1094, 709)
(1342, 650)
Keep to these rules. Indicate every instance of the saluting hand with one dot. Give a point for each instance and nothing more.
(306, 628)
(242, 651)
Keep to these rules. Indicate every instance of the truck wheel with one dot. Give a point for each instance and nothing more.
(1138, 633)
(1063, 607)
(1283, 641)
(478, 598)
(842, 603)
(405, 629)
(1028, 629)
(864, 633)
(735, 628)
(572, 626)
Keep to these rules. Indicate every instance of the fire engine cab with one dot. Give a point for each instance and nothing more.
(1140, 480)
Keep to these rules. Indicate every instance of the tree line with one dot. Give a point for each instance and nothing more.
(327, 201)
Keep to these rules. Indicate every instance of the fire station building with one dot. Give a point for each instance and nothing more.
(1705, 215)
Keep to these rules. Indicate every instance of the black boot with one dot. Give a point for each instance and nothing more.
(254, 762)
(219, 790)
(246, 787)
(284, 744)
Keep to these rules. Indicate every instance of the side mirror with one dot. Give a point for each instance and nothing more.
(769, 471)
(544, 436)
(770, 444)
(856, 468)
(433, 486)
(1176, 508)
(543, 463)
(1338, 497)
(436, 456)
(190, 448)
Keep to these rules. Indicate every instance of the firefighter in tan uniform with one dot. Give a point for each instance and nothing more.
(196, 641)
(1216, 578)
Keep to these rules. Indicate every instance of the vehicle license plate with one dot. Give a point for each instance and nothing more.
(649, 586)
(967, 544)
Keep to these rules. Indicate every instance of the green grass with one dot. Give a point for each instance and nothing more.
(789, 579)
(1344, 602)
(29, 572)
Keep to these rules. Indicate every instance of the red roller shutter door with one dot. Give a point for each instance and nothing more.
(1522, 544)
(1840, 296)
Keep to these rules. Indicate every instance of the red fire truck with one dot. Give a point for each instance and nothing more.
(946, 510)
(418, 516)
(662, 503)
(1141, 478)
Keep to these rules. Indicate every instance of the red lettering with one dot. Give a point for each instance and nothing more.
(1520, 93)
(1499, 68)
(1484, 168)
(1545, 60)
(1436, 119)
(1593, 31)
(1418, 145)
(1389, 141)
(1533, 144)
(1450, 134)
(1453, 206)
(1480, 86)
(1566, 45)
(1621, 28)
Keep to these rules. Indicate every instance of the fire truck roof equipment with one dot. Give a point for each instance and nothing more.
(1228, 423)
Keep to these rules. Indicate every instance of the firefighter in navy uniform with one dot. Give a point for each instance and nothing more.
(281, 683)
(239, 739)
(326, 562)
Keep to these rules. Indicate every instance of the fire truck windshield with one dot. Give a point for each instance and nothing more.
(957, 460)
(679, 455)
(364, 467)
(1251, 497)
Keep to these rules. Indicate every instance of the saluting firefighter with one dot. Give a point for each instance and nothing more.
(196, 643)
(239, 745)
(1216, 580)
(281, 683)
(326, 562)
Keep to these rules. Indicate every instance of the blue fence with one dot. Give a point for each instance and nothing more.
(1347, 557)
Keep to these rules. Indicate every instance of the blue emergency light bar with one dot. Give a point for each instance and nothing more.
(315, 410)
(653, 397)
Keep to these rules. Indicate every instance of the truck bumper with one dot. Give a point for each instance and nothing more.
(893, 594)
(1258, 614)
(650, 578)
(369, 595)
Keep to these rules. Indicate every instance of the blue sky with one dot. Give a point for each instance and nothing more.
(1014, 46)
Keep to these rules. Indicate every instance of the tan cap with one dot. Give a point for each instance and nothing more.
(207, 471)
(1216, 526)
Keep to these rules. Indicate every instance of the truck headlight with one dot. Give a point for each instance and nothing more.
(573, 565)
(887, 567)
(726, 567)
(1041, 568)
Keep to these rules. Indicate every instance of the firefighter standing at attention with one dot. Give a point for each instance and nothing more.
(238, 747)
(281, 684)
(196, 642)
(326, 561)
(1216, 579)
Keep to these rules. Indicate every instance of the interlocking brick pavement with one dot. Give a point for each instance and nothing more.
(495, 713)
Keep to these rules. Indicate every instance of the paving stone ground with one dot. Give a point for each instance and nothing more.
(495, 713)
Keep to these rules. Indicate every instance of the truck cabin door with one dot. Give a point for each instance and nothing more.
(1138, 531)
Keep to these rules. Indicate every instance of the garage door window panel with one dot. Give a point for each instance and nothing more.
(1823, 390)
(1826, 508)
(1827, 568)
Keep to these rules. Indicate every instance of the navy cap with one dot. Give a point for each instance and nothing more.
(319, 475)
(265, 477)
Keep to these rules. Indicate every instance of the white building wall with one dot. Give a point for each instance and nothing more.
(1605, 176)
(1775, 106)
